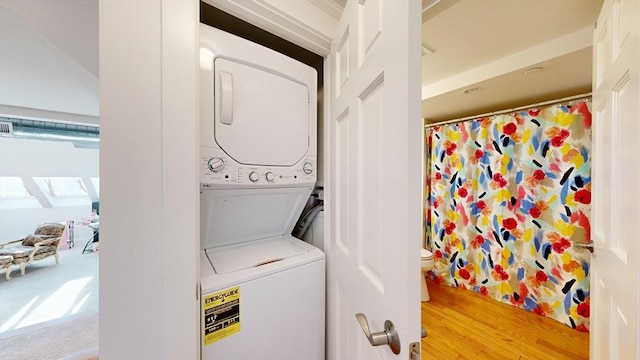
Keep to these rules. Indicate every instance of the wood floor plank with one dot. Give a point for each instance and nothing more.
(462, 324)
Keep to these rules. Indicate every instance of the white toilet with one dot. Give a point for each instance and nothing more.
(426, 264)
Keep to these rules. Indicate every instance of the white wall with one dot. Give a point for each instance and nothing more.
(17, 223)
(36, 158)
(36, 75)
(149, 264)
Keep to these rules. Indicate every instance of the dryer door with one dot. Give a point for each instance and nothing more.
(261, 118)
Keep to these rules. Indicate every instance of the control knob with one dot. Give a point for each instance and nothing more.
(253, 176)
(269, 176)
(307, 168)
(215, 164)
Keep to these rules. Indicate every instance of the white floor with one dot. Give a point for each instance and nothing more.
(49, 294)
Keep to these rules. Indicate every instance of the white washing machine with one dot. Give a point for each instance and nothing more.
(262, 290)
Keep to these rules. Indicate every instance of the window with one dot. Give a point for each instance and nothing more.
(12, 187)
(96, 184)
(63, 187)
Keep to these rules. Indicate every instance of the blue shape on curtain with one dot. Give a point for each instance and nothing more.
(567, 302)
(563, 194)
(584, 151)
(519, 177)
(526, 205)
(529, 304)
(536, 240)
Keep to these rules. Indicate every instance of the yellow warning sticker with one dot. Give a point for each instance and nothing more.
(221, 314)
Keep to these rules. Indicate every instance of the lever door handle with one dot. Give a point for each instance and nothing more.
(387, 337)
(584, 245)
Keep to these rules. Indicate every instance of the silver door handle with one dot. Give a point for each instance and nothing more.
(584, 245)
(387, 337)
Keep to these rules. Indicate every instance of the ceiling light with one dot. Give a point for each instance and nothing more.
(471, 90)
(532, 70)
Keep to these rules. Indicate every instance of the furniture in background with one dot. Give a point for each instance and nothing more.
(42, 244)
(95, 226)
(71, 234)
(5, 263)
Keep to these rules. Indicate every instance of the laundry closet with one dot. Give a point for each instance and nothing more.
(258, 168)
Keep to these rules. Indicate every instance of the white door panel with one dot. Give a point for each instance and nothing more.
(374, 182)
(616, 178)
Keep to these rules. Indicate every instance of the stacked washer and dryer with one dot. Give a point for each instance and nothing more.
(263, 291)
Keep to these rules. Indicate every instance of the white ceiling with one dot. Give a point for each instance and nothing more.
(476, 43)
(71, 25)
(489, 44)
(49, 60)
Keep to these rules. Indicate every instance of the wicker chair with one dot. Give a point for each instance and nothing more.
(42, 244)
(5, 263)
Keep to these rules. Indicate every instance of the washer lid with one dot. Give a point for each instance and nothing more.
(233, 216)
(236, 257)
(261, 117)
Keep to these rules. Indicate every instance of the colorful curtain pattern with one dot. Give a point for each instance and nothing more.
(508, 197)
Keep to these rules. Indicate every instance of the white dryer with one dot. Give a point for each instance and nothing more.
(263, 291)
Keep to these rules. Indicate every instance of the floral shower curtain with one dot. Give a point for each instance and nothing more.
(508, 196)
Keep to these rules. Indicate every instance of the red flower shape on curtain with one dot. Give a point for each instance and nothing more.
(510, 128)
(539, 311)
(561, 245)
(477, 241)
(501, 273)
(583, 309)
(539, 175)
(541, 276)
(438, 176)
(558, 248)
(462, 192)
(451, 149)
(509, 223)
(481, 204)
(534, 112)
(478, 154)
(497, 177)
(557, 141)
(583, 196)
(450, 228)
(535, 212)
(464, 273)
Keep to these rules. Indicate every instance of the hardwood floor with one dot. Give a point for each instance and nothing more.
(462, 324)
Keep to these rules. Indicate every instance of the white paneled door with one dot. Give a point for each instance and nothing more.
(615, 279)
(373, 131)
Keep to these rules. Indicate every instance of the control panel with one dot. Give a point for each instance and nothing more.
(217, 168)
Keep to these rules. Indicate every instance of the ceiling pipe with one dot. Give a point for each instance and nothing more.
(81, 136)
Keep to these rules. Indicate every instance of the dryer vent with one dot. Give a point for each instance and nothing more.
(6, 128)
